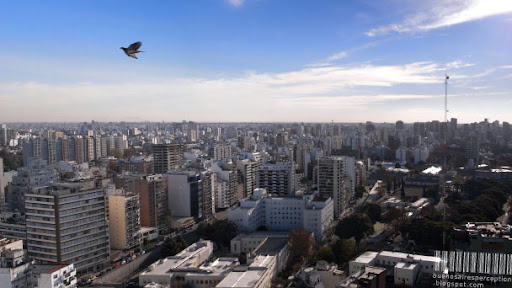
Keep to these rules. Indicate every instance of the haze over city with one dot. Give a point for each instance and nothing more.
(260, 60)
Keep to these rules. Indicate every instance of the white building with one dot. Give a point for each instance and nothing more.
(182, 187)
(401, 155)
(14, 267)
(313, 213)
(226, 184)
(258, 275)
(55, 276)
(421, 154)
(406, 267)
(189, 267)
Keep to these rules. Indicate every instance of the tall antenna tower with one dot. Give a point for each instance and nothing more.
(446, 77)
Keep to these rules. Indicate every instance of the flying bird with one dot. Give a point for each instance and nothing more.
(132, 49)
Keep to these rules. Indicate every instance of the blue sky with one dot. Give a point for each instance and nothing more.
(256, 60)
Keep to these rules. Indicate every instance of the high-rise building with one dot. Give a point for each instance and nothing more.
(40, 149)
(208, 180)
(35, 174)
(217, 133)
(63, 152)
(506, 131)
(167, 157)
(226, 184)
(221, 152)
(66, 223)
(281, 139)
(401, 155)
(2, 185)
(97, 147)
(152, 191)
(3, 135)
(421, 154)
(419, 129)
(124, 219)
(187, 194)
(277, 178)
(249, 174)
(90, 154)
(331, 182)
(192, 131)
(77, 149)
(399, 125)
(473, 148)
(104, 146)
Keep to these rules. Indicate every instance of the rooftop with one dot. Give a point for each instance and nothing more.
(262, 234)
(261, 262)
(246, 279)
(54, 269)
(486, 229)
(366, 257)
(406, 265)
(432, 170)
(271, 246)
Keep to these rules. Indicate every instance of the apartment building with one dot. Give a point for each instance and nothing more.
(66, 223)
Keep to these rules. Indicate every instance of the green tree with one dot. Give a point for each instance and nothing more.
(173, 246)
(325, 253)
(359, 192)
(220, 231)
(344, 250)
(11, 161)
(117, 153)
(426, 232)
(357, 225)
(373, 211)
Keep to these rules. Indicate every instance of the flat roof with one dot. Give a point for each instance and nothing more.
(366, 257)
(406, 265)
(247, 279)
(272, 246)
(263, 234)
(262, 261)
(413, 256)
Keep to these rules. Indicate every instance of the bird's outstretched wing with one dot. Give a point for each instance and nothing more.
(135, 46)
(133, 56)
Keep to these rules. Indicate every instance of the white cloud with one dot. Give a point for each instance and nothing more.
(458, 64)
(338, 56)
(444, 14)
(236, 3)
(328, 89)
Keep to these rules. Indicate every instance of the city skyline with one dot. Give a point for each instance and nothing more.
(257, 61)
